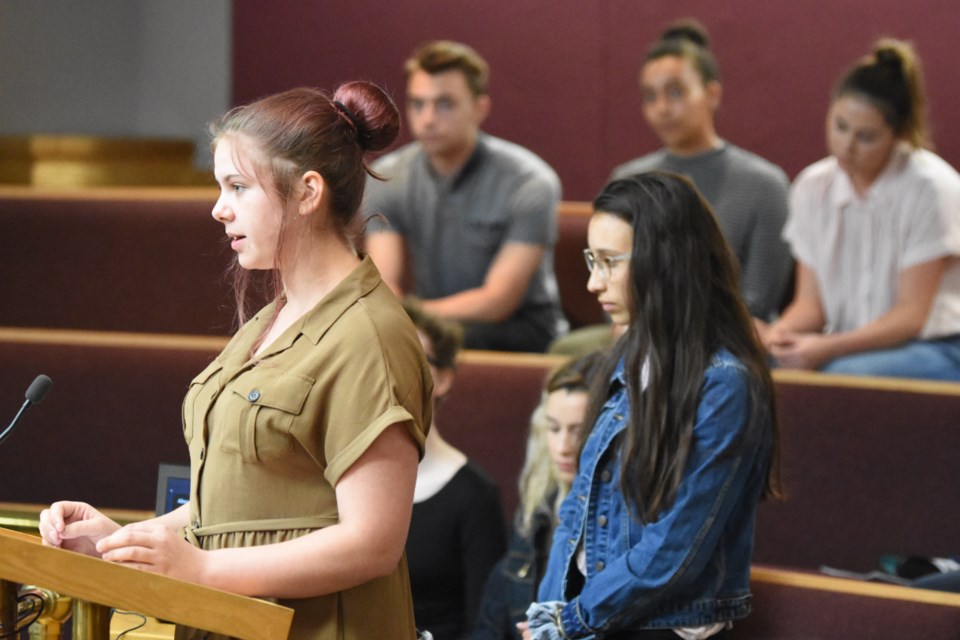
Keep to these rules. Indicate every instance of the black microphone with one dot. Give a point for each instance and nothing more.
(35, 393)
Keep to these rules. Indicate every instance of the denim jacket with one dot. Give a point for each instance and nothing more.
(691, 566)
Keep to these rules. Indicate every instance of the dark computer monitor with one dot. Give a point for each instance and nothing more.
(173, 487)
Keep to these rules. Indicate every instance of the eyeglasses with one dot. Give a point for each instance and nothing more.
(606, 263)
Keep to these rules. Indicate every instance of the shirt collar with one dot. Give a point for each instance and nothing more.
(844, 192)
(619, 376)
(315, 323)
(358, 283)
(480, 152)
(703, 156)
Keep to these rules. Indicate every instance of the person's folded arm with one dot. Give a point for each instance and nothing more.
(916, 290)
(502, 290)
(804, 313)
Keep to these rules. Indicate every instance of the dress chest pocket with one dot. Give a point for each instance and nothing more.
(199, 396)
(260, 410)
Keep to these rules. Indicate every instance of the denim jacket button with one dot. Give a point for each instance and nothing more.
(605, 476)
(599, 566)
(602, 520)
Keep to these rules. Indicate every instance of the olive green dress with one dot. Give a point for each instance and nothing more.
(270, 437)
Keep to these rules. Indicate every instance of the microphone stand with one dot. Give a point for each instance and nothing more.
(8, 607)
(16, 419)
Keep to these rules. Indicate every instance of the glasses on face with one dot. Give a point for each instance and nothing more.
(604, 263)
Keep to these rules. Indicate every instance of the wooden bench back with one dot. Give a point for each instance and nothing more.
(795, 605)
(869, 466)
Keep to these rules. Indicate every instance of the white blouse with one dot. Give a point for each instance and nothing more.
(858, 246)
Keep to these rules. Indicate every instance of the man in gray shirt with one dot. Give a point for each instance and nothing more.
(472, 216)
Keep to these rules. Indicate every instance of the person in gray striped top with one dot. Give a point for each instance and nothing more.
(681, 90)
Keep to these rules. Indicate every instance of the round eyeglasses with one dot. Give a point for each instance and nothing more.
(605, 263)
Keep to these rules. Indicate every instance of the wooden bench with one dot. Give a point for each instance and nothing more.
(579, 305)
(870, 467)
(154, 261)
(111, 417)
(869, 464)
(140, 260)
(795, 605)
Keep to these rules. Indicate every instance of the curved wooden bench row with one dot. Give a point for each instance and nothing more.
(869, 464)
(111, 417)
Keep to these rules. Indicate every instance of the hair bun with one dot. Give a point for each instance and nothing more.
(689, 30)
(371, 113)
(889, 55)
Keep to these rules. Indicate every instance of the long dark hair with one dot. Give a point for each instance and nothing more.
(685, 304)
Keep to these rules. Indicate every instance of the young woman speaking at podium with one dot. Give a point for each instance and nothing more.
(305, 432)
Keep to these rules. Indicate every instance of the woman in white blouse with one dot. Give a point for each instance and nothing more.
(875, 229)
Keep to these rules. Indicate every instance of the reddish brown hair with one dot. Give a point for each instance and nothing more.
(303, 130)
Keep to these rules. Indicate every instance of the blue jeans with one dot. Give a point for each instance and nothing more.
(949, 581)
(937, 359)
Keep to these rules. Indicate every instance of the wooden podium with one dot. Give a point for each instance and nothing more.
(98, 585)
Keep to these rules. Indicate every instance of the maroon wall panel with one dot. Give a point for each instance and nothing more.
(564, 71)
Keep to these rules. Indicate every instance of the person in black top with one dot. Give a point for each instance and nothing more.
(457, 531)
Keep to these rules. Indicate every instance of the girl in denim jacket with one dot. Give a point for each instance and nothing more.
(656, 534)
